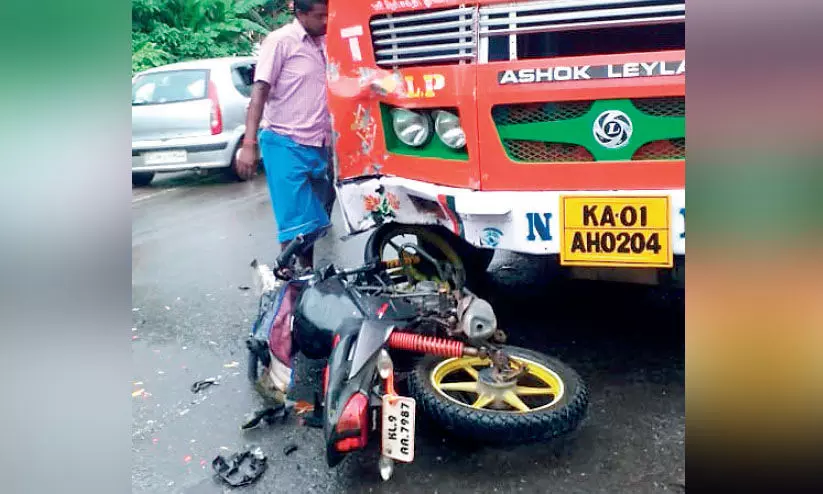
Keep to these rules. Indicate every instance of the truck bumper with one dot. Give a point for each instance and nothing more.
(524, 222)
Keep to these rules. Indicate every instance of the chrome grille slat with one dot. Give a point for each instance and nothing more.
(423, 27)
(586, 15)
(565, 4)
(433, 58)
(581, 25)
(424, 49)
(423, 17)
(418, 39)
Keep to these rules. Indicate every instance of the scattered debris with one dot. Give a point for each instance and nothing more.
(134, 329)
(168, 308)
(160, 372)
(243, 287)
(133, 337)
(232, 365)
(212, 343)
(154, 440)
(289, 449)
(268, 414)
(223, 448)
(303, 407)
(201, 385)
(187, 459)
(135, 309)
(241, 468)
(187, 410)
(138, 383)
(137, 393)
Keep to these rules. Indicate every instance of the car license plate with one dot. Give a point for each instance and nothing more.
(398, 428)
(165, 157)
(615, 231)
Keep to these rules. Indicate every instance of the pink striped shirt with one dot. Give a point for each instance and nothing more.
(294, 65)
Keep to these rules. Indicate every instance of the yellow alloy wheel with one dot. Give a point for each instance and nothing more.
(467, 381)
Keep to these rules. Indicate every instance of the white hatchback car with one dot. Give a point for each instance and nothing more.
(189, 116)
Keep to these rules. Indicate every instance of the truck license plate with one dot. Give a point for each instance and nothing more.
(615, 231)
(398, 428)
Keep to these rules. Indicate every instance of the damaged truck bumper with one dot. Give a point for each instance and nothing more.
(585, 229)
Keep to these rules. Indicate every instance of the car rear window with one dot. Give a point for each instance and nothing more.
(243, 78)
(169, 87)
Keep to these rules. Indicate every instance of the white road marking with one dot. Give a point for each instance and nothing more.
(153, 194)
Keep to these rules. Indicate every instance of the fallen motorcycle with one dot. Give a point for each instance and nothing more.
(373, 322)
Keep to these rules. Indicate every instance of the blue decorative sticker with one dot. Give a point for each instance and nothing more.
(491, 237)
(540, 226)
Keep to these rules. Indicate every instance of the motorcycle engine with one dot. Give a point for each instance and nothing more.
(432, 300)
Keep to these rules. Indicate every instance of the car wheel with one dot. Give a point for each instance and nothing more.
(141, 179)
(232, 170)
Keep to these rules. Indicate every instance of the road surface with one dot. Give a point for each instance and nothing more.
(193, 239)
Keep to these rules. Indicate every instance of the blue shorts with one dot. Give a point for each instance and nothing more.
(296, 175)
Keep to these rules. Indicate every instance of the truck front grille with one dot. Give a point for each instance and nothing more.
(430, 37)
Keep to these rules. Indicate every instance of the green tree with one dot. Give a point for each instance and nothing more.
(168, 31)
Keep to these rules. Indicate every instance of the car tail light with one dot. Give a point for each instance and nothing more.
(353, 419)
(216, 117)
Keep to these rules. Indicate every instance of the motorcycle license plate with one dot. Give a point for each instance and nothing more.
(398, 428)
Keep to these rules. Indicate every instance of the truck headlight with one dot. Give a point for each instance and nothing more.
(412, 128)
(447, 126)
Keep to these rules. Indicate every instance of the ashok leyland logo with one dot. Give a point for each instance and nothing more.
(612, 129)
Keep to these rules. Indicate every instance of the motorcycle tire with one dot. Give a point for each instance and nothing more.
(436, 240)
(253, 368)
(492, 426)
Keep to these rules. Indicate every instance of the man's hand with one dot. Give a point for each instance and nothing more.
(247, 159)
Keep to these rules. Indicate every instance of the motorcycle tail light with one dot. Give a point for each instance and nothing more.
(353, 419)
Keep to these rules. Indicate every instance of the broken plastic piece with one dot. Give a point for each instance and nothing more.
(289, 449)
(201, 385)
(268, 414)
(240, 468)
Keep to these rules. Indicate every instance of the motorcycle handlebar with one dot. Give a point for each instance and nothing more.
(285, 256)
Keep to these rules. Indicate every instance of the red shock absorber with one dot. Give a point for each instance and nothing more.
(425, 344)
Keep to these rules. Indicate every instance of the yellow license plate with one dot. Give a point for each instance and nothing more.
(615, 231)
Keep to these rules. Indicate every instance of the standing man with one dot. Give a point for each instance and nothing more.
(289, 98)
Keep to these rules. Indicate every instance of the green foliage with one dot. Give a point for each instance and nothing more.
(168, 31)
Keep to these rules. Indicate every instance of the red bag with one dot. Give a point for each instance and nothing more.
(280, 336)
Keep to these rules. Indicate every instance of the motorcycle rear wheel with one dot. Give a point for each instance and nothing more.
(549, 401)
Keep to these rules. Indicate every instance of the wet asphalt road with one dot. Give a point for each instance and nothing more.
(193, 239)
